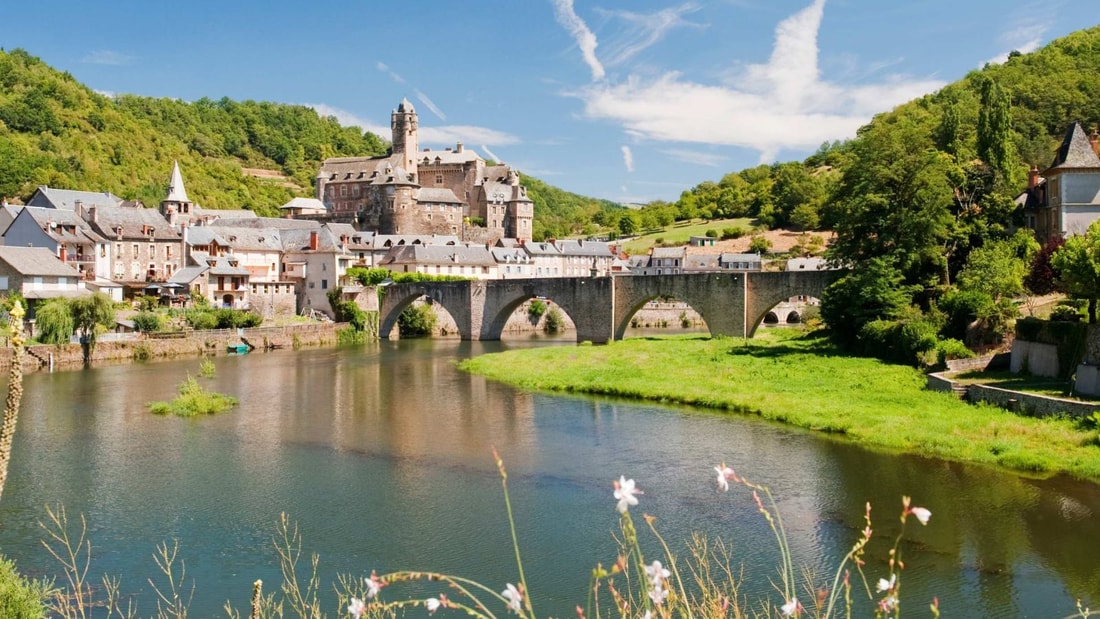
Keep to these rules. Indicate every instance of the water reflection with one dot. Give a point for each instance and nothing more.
(381, 454)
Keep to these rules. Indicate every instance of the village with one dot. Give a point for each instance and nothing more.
(400, 212)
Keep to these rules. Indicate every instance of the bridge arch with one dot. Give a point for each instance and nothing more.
(714, 296)
(452, 296)
(765, 291)
(574, 296)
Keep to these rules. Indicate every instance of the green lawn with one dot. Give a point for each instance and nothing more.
(806, 382)
(679, 233)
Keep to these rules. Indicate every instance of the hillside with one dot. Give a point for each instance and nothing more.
(235, 154)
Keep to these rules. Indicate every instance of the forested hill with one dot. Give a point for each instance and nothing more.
(55, 131)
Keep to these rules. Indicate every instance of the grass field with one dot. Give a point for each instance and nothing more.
(679, 233)
(806, 382)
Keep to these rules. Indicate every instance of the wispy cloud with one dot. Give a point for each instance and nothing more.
(431, 106)
(1026, 29)
(586, 41)
(644, 30)
(110, 94)
(628, 158)
(691, 156)
(383, 67)
(106, 57)
(781, 104)
(490, 154)
(445, 134)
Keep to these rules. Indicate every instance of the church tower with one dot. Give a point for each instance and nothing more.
(176, 203)
(406, 143)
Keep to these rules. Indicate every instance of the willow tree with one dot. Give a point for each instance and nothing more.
(88, 313)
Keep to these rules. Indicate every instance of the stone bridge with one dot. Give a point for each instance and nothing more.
(732, 304)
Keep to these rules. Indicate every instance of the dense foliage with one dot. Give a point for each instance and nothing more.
(55, 131)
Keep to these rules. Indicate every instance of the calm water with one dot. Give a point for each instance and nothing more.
(381, 454)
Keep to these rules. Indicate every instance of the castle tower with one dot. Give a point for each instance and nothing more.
(406, 143)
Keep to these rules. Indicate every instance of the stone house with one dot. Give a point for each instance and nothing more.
(513, 262)
(37, 273)
(741, 262)
(1064, 199)
(474, 261)
(65, 234)
(580, 258)
(144, 247)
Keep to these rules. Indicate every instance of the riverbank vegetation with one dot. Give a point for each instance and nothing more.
(194, 400)
(806, 381)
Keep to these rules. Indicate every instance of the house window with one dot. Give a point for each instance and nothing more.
(355, 191)
(135, 248)
(324, 284)
(438, 179)
(167, 252)
(343, 191)
(152, 250)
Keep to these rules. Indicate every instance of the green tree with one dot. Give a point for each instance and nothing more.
(872, 292)
(995, 145)
(1078, 265)
(896, 201)
(54, 321)
(759, 244)
(89, 313)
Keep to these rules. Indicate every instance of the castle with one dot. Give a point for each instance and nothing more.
(450, 192)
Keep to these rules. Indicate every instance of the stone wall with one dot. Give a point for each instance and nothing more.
(1024, 403)
(1034, 358)
(193, 344)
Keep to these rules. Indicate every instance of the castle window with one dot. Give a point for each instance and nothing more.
(438, 179)
(343, 191)
(355, 191)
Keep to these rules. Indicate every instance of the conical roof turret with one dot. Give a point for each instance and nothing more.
(176, 192)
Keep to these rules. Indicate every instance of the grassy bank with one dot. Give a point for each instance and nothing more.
(806, 382)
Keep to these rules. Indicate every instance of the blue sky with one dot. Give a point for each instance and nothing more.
(630, 100)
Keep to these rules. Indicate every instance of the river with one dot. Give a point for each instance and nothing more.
(381, 454)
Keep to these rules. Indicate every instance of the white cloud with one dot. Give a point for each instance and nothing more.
(107, 57)
(348, 119)
(490, 154)
(383, 67)
(781, 104)
(1026, 29)
(691, 156)
(446, 134)
(645, 30)
(628, 158)
(586, 41)
(110, 94)
(431, 106)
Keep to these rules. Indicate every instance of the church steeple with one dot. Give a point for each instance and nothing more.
(176, 192)
(176, 203)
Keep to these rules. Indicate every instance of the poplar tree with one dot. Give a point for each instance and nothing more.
(995, 130)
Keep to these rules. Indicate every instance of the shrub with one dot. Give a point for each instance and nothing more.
(735, 232)
(148, 303)
(193, 400)
(1065, 313)
(201, 319)
(711, 233)
(759, 245)
(952, 349)
(417, 320)
(555, 322)
(20, 598)
(236, 319)
(962, 308)
(536, 309)
(147, 322)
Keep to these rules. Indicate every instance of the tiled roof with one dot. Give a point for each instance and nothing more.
(59, 225)
(476, 255)
(218, 214)
(573, 247)
(668, 252)
(437, 195)
(242, 238)
(449, 156)
(306, 204)
(36, 261)
(1076, 151)
(176, 192)
(49, 197)
(135, 223)
(267, 222)
(186, 275)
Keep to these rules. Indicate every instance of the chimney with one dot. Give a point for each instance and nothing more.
(1094, 139)
(313, 240)
(1033, 176)
(458, 147)
(63, 253)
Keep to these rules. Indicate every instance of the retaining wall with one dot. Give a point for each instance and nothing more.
(1031, 404)
(193, 343)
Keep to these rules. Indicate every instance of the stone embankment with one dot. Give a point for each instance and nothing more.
(137, 346)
